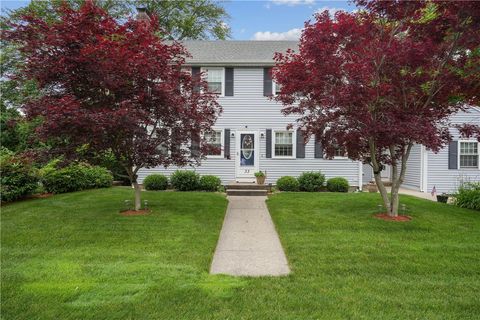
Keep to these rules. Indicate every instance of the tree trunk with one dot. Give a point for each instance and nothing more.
(132, 175)
(138, 190)
(397, 179)
(383, 191)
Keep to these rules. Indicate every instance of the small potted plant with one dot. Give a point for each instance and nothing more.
(260, 176)
(443, 198)
(372, 187)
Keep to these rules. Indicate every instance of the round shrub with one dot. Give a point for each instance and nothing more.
(288, 183)
(311, 181)
(184, 180)
(210, 183)
(155, 182)
(337, 184)
(76, 177)
(18, 177)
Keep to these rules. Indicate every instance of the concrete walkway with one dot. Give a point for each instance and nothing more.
(248, 243)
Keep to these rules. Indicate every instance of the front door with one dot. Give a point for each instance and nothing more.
(246, 155)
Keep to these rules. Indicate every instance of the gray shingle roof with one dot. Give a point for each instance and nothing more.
(230, 52)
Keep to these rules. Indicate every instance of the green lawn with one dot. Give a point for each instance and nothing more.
(73, 256)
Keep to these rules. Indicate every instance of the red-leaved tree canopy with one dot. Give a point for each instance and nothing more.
(380, 80)
(115, 87)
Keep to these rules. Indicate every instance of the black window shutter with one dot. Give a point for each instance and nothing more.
(229, 82)
(195, 74)
(267, 82)
(226, 147)
(268, 141)
(318, 149)
(453, 155)
(300, 144)
(195, 148)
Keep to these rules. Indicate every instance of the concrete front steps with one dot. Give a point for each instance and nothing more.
(246, 189)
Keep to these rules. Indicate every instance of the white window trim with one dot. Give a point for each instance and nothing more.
(222, 145)
(274, 88)
(459, 154)
(294, 145)
(204, 70)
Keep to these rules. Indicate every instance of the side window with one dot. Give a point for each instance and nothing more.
(468, 154)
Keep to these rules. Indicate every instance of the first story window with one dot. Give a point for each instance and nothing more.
(340, 152)
(215, 79)
(283, 144)
(468, 154)
(214, 140)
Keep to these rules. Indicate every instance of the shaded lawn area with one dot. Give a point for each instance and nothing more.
(73, 257)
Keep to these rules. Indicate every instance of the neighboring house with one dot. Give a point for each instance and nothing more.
(252, 132)
(447, 169)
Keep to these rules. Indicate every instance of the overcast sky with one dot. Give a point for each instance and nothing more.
(261, 20)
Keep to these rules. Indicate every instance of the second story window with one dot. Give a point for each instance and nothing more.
(215, 79)
(277, 88)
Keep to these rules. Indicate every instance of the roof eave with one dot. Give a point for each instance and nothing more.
(229, 64)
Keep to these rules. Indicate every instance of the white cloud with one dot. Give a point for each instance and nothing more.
(331, 11)
(293, 2)
(293, 34)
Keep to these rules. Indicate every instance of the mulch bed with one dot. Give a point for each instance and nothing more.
(40, 196)
(398, 218)
(135, 213)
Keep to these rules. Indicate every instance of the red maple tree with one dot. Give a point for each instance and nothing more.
(378, 81)
(112, 86)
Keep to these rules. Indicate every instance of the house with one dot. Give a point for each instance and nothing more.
(252, 132)
(446, 170)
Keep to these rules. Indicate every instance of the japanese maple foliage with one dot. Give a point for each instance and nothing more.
(380, 80)
(114, 87)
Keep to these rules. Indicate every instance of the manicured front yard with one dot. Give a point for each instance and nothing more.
(73, 257)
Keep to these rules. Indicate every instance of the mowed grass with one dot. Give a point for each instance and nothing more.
(73, 256)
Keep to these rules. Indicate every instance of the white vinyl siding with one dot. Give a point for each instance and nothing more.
(414, 169)
(249, 108)
(448, 180)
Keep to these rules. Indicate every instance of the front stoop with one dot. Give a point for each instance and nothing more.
(247, 189)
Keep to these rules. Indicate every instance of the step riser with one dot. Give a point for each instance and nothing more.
(247, 187)
(250, 193)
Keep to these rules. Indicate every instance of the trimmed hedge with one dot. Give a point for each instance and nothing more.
(210, 183)
(155, 182)
(76, 177)
(184, 180)
(288, 183)
(18, 177)
(311, 181)
(337, 184)
(468, 196)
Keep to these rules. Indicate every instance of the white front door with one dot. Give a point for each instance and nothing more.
(247, 154)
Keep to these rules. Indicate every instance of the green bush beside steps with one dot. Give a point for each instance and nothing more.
(312, 182)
